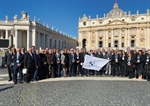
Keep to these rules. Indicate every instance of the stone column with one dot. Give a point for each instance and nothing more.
(146, 37)
(148, 34)
(1, 34)
(112, 38)
(16, 39)
(19, 39)
(129, 37)
(34, 37)
(44, 41)
(106, 34)
(38, 35)
(96, 40)
(137, 37)
(28, 39)
(6, 37)
(10, 40)
(88, 41)
(104, 39)
(120, 36)
(125, 38)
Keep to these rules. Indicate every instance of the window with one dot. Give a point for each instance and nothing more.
(100, 44)
(132, 31)
(84, 23)
(115, 32)
(50, 43)
(142, 18)
(116, 43)
(93, 23)
(122, 45)
(101, 33)
(109, 45)
(123, 32)
(109, 21)
(133, 20)
(122, 19)
(132, 43)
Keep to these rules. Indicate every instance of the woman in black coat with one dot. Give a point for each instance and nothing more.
(140, 60)
(130, 63)
(147, 66)
(123, 64)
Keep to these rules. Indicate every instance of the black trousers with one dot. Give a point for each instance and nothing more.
(9, 72)
(29, 75)
(116, 70)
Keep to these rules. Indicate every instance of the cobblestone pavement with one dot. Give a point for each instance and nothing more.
(81, 92)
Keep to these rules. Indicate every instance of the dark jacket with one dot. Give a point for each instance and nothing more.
(18, 61)
(29, 61)
(8, 58)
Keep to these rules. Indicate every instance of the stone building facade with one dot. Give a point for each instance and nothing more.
(116, 29)
(25, 33)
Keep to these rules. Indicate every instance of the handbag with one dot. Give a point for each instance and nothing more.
(24, 71)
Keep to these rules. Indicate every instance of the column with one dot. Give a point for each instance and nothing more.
(120, 37)
(6, 37)
(137, 37)
(125, 38)
(16, 39)
(112, 38)
(43, 41)
(38, 33)
(20, 39)
(106, 34)
(129, 37)
(96, 40)
(1, 34)
(28, 39)
(146, 37)
(104, 39)
(34, 37)
(88, 41)
(10, 40)
(148, 33)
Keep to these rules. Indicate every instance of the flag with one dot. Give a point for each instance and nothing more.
(94, 63)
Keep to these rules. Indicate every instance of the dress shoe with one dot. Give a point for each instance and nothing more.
(10, 80)
(20, 82)
(15, 82)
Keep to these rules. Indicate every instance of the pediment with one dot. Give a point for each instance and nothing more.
(116, 22)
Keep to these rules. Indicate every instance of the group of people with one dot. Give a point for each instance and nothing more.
(51, 63)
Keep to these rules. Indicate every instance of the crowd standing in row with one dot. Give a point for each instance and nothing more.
(51, 63)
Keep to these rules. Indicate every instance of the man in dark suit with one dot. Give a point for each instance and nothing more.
(51, 60)
(72, 61)
(58, 63)
(18, 61)
(29, 64)
(82, 55)
(8, 59)
(116, 58)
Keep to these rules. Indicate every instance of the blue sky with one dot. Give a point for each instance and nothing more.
(64, 14)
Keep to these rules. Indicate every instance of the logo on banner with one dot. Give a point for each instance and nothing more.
(92, 63)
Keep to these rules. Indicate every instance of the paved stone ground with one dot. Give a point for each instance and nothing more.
(76, 91)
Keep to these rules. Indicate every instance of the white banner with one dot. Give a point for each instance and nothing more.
(94, 63)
